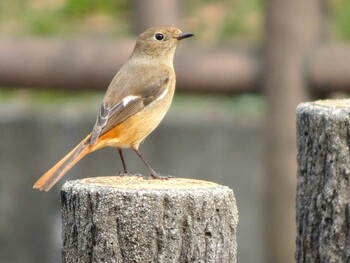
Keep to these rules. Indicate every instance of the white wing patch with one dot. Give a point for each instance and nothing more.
(162, 96)
(127, 99)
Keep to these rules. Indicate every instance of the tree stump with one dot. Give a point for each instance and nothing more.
(132, 219)
(323, 183)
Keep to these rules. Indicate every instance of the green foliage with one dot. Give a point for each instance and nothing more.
(84, 7)
(341, 18)
(244, 20)
(225, 20)
(45, 97)
(43, 24)
(253, 104)
(212, 20)
(61, 17)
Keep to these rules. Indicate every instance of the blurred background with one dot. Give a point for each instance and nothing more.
(232, 120)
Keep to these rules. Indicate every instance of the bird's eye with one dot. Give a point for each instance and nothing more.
(159, 36)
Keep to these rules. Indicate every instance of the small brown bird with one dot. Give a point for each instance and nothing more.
(136, 101)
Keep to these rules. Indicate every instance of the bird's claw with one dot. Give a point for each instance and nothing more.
(158, 176)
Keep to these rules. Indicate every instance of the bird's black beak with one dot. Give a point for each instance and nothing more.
(185, 35)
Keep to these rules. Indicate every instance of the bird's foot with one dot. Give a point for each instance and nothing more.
(153, 175)
(125, 173)
(159, 176)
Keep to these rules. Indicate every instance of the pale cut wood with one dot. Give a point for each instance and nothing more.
(132, 219)
(323, 182)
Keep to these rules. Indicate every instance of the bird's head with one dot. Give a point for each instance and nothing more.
(159, 42)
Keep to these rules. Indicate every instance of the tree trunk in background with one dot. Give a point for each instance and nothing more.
(292, 28)
(152, 13)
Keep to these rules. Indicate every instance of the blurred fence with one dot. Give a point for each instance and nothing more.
(297, 62)
(80, 64)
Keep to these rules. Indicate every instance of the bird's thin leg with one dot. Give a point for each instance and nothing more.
(122, 159)
(153, 173)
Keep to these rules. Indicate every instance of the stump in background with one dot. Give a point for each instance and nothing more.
(132, 219)
(323, 183)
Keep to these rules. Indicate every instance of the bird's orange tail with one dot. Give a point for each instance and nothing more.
(51, 177)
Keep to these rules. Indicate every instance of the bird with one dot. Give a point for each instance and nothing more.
(135, 102)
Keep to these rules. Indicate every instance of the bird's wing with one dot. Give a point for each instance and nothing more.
(121, 102)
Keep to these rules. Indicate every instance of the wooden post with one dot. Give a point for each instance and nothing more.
(132, 219)
(323, 182)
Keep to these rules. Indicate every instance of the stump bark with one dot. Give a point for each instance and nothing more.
(132, 219)
(323, 182)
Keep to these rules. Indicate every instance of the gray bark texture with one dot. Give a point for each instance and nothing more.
(132, 219)
(323, 182)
